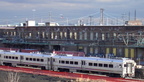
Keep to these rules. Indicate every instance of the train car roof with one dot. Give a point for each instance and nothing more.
(26, 54)
(89, 58)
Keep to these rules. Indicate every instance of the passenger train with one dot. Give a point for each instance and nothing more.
(124, 67)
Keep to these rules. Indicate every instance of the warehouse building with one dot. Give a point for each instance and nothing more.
(121, 41)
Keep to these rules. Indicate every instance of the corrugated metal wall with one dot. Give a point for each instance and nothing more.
(132, 53)
(107, 50)
(114, 51)
(126, 52)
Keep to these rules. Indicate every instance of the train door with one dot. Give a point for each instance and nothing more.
(21, 59)
(83, 63)
(48, 64)
(129, 68)
(51, 64)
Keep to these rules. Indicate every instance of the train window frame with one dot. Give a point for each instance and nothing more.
(53, 60)
(76, 63)
(100, 65)
(105, 65)
(90, 64)
(30, 59)
(67, 62)
(10, 57)
(110, 65)
(125, 65)
(13, 57)
(38, 59)
(34, 59)
(16, 57)
(42, 60)
(63, 62)
(27, 58)
(71, 62)
(95, 64)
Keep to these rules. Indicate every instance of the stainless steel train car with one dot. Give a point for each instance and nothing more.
(25, 59)
(124, 67)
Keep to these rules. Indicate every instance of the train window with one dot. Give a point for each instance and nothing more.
(53, 60)
(71, 62)
(100, 65)
(62, 62)
(38, 59)
(105, 65)
(110, 66)
(95, 64)
(34, 59)
(42, 60)
(48, 59)
(67, 62)
(30, 59)
(16, 57)
(90, 64)
(9, 57)
(6, 57)
(13, 57)
(26, 58)
(125, 65)
(76, 63)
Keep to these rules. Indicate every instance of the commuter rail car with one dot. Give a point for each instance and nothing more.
(124, 67)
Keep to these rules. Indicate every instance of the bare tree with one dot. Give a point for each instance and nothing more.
(12, 77)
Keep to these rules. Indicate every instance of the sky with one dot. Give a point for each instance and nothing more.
(14, 11)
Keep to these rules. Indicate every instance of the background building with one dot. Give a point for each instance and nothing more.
(134, 23)
(122, 41)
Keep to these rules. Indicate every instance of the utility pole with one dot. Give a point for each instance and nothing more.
(129, 16)
(90, 20)
(49, 16)
(135, 15)
(101, 11)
